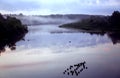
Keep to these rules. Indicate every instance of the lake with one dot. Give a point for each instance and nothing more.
(49, 51)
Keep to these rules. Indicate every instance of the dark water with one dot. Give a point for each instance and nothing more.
(48, 51)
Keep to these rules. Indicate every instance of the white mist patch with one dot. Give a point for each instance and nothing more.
(40, 20)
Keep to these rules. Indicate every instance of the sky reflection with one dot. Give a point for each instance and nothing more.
(101, 62)
(46, 55)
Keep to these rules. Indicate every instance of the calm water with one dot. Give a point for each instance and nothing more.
(49, 50)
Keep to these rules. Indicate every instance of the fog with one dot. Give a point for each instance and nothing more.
(48, 50)
(38, 20)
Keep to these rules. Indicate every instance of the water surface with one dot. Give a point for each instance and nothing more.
(48, 50)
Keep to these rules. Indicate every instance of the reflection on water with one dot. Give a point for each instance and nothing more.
(41, 36)
(46, 53)
(49, 35)
(115, 37)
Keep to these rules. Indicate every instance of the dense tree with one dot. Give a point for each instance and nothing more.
(11, 31)
(115, 19)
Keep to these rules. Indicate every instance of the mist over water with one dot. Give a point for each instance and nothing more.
(49, 50)
(40, 20)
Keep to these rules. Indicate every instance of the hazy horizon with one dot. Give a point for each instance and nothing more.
(52, 14)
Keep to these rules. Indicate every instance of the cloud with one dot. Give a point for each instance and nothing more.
(60, 6)
(18, 5)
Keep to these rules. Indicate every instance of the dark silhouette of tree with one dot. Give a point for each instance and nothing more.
(11, 31)
(115, 19)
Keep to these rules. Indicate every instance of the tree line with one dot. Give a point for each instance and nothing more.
(98, 23)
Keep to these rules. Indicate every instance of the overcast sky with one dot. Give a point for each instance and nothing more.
(46, 7)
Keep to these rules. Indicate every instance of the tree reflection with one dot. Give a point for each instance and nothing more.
(114, 36)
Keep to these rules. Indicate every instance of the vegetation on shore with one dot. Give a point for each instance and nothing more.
(98, 23)
(11, 31)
